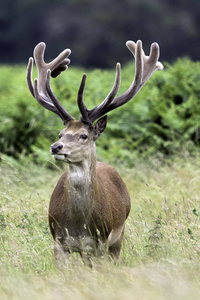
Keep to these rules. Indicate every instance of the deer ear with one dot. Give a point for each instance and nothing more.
(100, 127)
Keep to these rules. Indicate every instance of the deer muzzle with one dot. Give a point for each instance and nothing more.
(56, 148)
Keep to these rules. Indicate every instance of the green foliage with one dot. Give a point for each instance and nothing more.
(155, 237)
(163, 118)
(165, 114)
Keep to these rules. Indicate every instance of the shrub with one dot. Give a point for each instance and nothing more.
(164, 117)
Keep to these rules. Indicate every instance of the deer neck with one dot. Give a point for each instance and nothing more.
(82, 183)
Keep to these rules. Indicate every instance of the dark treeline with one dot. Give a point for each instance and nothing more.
(96, 30)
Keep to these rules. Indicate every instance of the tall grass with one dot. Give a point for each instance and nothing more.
(161, 249)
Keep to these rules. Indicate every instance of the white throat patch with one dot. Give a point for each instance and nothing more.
(77, 176)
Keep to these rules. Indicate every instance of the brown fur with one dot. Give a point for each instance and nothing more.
(109, 211)
(88, 215)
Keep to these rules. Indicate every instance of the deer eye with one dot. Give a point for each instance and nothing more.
(59, 136)
(83, 136)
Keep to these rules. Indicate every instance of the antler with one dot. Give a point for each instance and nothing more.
(145, 66)
(41, 89)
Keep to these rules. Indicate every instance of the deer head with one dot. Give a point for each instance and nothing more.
(86, 132)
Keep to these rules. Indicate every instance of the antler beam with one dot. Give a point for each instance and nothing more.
(145, 66)
(41, 90)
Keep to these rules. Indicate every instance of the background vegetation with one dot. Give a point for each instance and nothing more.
(162, 119)
(97, 30)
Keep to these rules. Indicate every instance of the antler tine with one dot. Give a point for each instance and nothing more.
(98, 110)
(152, 60)
(145, 66)
(42, 67)
(80, 101)
(29, 76)
(138, 62)
(65, 116)
(150, 63)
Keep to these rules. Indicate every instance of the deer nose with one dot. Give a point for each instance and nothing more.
(55, 148)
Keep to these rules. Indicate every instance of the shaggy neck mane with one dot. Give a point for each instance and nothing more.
(82, 184)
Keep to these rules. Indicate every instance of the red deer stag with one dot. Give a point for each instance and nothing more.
(90, 203)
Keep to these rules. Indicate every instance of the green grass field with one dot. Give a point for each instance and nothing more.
(161, 250)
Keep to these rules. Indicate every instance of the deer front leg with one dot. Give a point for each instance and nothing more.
(61, 256)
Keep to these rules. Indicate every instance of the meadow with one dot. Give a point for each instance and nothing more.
(160, 254)
(153, 142)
